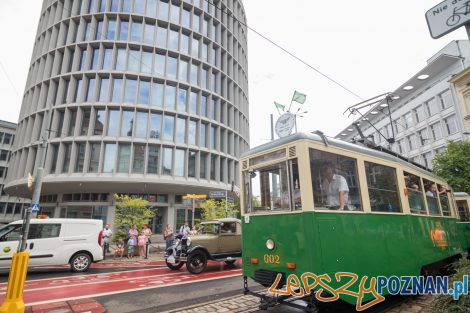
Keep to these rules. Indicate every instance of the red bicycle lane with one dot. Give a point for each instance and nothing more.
(93, 285)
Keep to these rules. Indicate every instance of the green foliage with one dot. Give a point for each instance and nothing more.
(446, 303)
(212, 209)
(130, 211)
(454, 165)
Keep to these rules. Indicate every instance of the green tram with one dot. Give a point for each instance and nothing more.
(393, 218)
(462, 200)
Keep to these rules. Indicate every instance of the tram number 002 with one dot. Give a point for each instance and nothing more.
(272, 259)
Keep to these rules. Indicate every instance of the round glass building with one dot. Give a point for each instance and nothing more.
(142, 97)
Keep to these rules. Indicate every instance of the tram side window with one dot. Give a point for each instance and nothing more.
(415, 193)
(444, 199)
(463, 210)
(383, 188)
(334, 181)
(431, 197)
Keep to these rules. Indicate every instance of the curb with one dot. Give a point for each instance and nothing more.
(71, 306)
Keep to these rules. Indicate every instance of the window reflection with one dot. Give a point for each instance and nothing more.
(144, 92)
(127, 123)
(170, 97)
(157, 94)
(108, 159)
(193, 103)
(179, 162)
(183, 71)
(168, 127)
(117, 89)
(159, 66)
(124, 158)
(80, 159)
(104, 90)
(161, 37)
(167, 161)
(172, 66)
(153, 159)
(121, 59)
(113, 123)
(124, 31)
(180, 130)
(66, 162)
(94, 157)
(192, 132)
(182, 100)
(136, 31)
(192, 164)
(203, 165)
(99, 122)
(139, 158)
(141, 125)
(155, 126)
(130, 92)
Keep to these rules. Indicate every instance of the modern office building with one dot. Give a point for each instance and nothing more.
(11, 208)
(147, 97)
(425, 111)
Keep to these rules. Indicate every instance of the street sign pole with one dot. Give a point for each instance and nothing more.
(226, 208)
(194, 196)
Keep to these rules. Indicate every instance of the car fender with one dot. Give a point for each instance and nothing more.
(192, 249)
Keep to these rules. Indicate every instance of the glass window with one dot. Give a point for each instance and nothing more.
(141, 125)
(139, 158)
(415, 193)
(82, 60)
(127, 123)
(136, 33)
(124, 31)
(133, 63)
(204, 51)
(213, 166)
(180, 130)
(451, 125)
(117, 90)
(131, 90)
(172, 67)
(212, 138)
(192, 164)
(163, 12)
(94, 157)
(108, 58)
(213, 112)
(195, 47)
(99, 31)
(139, 6)
(146, 64)
(66, 162)
(78, 91)
(183, 71)
(173, 40)
(408, 119)
(196, 22)
(167, 161)
(99, 122)
(431, 107)
(446, 99)
(420, 114)
(436, 131)
(153, 157)
(175, 14)
(95, 58)
(80, 158)
(203, 105)
(113, 123)
(152, 8)
(114, 5)
(193, 103)
(203, 136)
(123, 158)
(463, 210)
(73, 119)
(104, 90)
(159, 66)
(155, 126)
(91, 6)
(121, 59)
(43, 231)
(194, 74)
(144, 92)
(182, 99)
(85, 122)
(184, 46)
(335, 181)
(431, 197)
(111, 33)
(170, 97)
(186, 18)
(126, 5)
(179, 162)
(203, 166)
(157, 94)
(149, 32)
(161, 37)
(90, 90)
(168, 127)
(192, 132)
(383, 188)
(444, 199)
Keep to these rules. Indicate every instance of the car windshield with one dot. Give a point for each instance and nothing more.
(210, 228)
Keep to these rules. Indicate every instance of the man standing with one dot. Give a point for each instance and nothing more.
(336, 188)
(107, 233)
(185, 229)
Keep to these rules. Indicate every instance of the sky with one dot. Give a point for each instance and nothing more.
(368, 46)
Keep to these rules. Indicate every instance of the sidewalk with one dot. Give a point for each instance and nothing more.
(72, 306)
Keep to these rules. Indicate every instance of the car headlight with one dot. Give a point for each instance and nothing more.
(270, 244)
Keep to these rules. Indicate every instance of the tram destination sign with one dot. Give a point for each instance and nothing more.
(447, 16)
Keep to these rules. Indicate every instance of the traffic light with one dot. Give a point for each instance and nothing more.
(30, 181)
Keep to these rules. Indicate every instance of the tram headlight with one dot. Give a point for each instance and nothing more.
(270, 244)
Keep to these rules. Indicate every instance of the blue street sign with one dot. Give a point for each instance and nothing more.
(35, 207)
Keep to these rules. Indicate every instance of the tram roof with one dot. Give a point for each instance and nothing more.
(336, 143)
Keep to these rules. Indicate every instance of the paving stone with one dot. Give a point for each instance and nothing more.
(50, 306)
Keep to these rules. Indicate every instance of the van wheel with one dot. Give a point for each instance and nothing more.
(197, 262)
(174, 267)
(80, 262)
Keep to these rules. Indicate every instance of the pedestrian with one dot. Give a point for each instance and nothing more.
(148, 232)
(130, 247)
(107, 234)
(142, 241)
(184, 229)
(168, 236)
(119, 249)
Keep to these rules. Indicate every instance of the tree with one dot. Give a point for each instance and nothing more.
(454, 165)
(212, 209)
(130, 211)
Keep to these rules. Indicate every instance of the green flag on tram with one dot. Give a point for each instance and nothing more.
(299, 97)
(279, 106)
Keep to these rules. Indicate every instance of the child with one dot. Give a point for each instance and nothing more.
(130, 247)
(119, 249)
(142, 241)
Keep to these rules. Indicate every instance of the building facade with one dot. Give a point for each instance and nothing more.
(142, 97)
(11, 208)
(424, 112)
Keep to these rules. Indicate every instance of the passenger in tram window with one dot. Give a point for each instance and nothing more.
(431, 190)
(336, 188)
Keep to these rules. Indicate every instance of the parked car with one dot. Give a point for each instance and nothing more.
(55, 241)
(218, 240)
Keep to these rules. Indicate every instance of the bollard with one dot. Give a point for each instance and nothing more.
(14, 297)
(146, 249)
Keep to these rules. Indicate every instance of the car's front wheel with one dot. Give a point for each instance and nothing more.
(197, 262)
(80, 262)
(175, 266)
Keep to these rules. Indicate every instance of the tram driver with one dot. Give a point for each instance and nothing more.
(336, 188)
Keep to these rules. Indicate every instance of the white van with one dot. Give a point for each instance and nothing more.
(55, 241)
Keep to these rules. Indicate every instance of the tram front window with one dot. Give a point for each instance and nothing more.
(272, 188)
